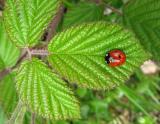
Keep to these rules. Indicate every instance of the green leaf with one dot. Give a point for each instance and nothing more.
(28, 118)
(2, 66)
(78, 54)
(2, 116)
(26, 20)
(8, 52)
(83, 12)
(8, 96)
(44, 93)
(143, 17)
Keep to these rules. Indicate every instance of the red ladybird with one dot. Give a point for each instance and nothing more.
(115, 58)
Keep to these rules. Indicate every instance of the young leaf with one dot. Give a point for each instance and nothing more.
(79, 53)
(44, 93)
(8, 52)
(8, 96)
(83, 12)
(143, 17)
(26, 20)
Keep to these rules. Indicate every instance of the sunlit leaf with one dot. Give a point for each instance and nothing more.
(44, 92)
(25, 20)
(78, 54)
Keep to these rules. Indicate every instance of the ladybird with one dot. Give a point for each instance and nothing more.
(115, 58)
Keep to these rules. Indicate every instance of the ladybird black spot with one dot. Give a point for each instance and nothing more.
(107, 58)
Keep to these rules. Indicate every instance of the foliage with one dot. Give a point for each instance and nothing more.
(83, 12)
(44, 93)
(83, 48)
(145, 23)
(26, 20)
(8, 52)
(46, 83)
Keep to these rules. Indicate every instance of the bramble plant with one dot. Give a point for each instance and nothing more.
(49, 47)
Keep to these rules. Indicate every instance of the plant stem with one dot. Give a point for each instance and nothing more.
(54, 23)
(30, 53)
(52, 30)
(115, 10)
(6, 71)
(33, 119)
(97, 1)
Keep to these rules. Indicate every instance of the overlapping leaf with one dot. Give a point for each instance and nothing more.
(8, 96)
(143, 17)
(8, 52)
(83, 12)
(78, 54)
(44, 93)
(26, 20)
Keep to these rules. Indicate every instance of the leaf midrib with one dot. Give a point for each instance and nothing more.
(76, 54)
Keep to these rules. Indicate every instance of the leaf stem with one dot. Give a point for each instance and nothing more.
(41, 52)
(29, 53)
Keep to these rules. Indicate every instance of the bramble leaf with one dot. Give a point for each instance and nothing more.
(83, 12)
(25, 20)
(143, 17)
(8, 52)
(79, 53)
(44, 92)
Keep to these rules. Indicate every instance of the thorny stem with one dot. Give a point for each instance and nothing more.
(54, 23)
